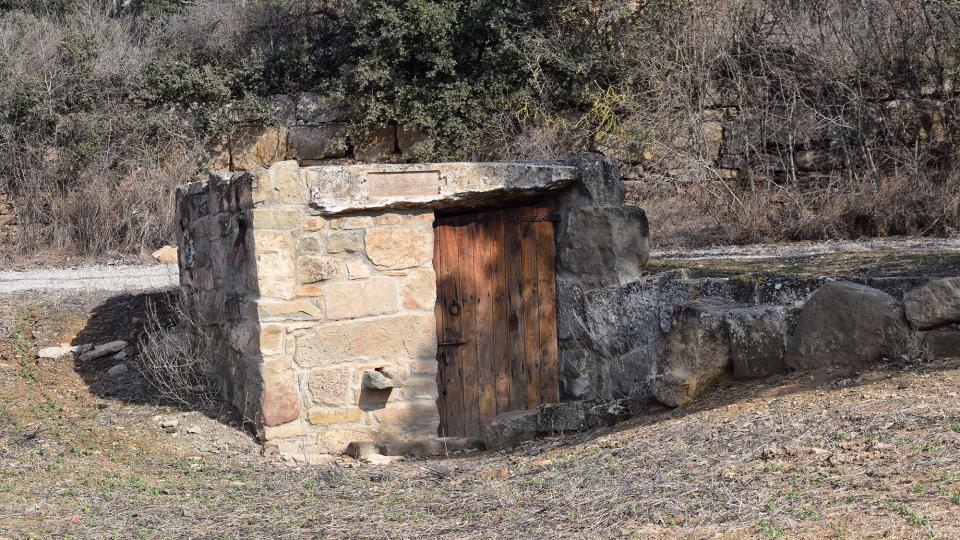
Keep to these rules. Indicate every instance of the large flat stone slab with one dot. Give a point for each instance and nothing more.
(357, 188)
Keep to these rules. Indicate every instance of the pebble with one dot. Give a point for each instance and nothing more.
(53, 353)
(118, 370)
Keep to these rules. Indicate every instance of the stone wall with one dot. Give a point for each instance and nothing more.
(304, 128)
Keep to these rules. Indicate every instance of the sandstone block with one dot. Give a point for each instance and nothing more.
(314, 223)
(289, 187)
(398, 336)
(272, 241)
(312, 289)
(698, 351)
(399, 247)
(334, 415)
(317, 142)
(422, 387)
(274, 218)
(843, 324)
(510, 429)
(419, 289)
(311, 269)
(277, 286)
(330, 386)
(933, 304)
(357, 270)
(272, 337)
(257, 148)
(353, 299)
(295, 428)
(417, 417)
(758, 337)
(351, 222)
(302, 309)
(279, 402)
(343, 242)
(310, 243)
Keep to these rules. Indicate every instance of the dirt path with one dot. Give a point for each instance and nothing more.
(116, 278)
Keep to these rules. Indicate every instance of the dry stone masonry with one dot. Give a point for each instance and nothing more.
(317, 286)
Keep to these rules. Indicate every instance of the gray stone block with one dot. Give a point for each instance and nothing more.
(757, 340)
(606, 245)
(844, 324)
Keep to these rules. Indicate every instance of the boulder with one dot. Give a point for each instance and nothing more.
(510, 429)
(758, 338)
(606, 245)
(698, 351)
(843, 324)
(933, 304)
(944, 343)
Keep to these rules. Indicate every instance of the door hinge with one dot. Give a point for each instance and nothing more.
(552, 217)
(451, 343)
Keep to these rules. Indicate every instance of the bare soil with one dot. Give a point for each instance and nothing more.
(829, 455)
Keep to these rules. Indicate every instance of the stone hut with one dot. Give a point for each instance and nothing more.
(390, 303)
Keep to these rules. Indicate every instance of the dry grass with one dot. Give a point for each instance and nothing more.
(174, 356)
(862, 456)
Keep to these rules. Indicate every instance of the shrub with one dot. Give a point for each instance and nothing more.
(174, 356)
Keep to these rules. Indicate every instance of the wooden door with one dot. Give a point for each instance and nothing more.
(496, 316)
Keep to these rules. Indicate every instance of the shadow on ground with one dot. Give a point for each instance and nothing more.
(128, 317)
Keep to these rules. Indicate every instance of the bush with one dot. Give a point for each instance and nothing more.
(100, 96)
(174, 356)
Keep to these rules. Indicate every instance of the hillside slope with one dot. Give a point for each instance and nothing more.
(86, 454)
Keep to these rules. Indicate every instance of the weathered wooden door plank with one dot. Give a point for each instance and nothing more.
(547, 316)
(515, 318)
(452, 356)
(531, 337)
(484, 242)
(501, 315)
(466, 234)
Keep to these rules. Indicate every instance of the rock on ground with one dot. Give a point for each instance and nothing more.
(52, 353)
(510, 429)
(757, 340)
(933, 304)
(943, 343)
(118, 370)
(698, 352)
(844, 324)
(103, 350)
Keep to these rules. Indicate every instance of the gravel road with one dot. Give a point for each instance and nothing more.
(115, 278)
(786, 250)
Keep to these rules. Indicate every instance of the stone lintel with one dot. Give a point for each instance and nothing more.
(354, 188)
